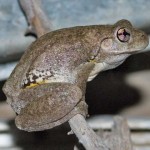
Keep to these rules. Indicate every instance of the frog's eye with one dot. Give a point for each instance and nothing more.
(123, 35)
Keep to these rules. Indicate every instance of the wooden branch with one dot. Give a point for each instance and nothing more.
(119, 137)
(116, 139)
(39, 24)
(85, 134)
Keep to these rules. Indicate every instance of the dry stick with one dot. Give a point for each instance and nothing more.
(85, 134)
(119, 137)
(121, 134)
(39, 22)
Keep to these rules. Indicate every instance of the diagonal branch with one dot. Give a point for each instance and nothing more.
(39, 23)
(85, 134)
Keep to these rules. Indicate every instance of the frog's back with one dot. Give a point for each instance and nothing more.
(65, 35)
(66, 45)
(57, 54)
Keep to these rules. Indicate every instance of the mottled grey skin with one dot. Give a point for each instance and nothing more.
(72, 57)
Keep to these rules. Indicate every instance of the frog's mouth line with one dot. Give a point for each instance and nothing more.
(117, 63)
(127, 52)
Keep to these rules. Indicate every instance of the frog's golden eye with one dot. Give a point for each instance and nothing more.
(123, 35)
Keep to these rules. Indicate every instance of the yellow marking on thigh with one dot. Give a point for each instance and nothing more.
(37, 83)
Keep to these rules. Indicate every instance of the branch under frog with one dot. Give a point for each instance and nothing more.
(85, 134)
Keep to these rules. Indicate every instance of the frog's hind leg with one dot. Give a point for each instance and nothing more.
(58, 100)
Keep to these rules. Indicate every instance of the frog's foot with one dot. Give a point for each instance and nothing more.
(57, 103)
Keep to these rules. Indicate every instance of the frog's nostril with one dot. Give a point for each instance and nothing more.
(142, 35)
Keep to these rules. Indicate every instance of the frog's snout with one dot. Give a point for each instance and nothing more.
(140, 41)
(145, 39)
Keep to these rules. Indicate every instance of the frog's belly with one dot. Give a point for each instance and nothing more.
(101, 67)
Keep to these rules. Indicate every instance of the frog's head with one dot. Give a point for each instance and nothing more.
(122, 41)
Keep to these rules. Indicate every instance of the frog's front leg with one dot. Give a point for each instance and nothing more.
(50, 102)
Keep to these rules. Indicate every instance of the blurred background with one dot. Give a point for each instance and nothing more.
(124, 90)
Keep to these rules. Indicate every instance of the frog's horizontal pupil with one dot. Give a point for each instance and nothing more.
(123, 35)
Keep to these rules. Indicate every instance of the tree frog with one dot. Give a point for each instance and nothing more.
(48, 85)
